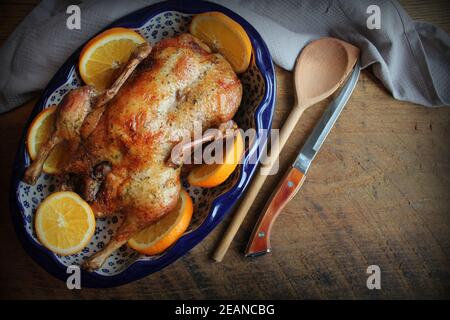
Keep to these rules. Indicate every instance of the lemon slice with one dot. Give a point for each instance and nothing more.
(161, 235)
(104, 56)
(64, 223)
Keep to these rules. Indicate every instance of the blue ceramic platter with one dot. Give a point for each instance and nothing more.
(155, 22)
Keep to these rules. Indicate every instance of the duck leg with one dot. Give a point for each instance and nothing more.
(184, 149)
(130, 226)
(70, 114)
(137, 56)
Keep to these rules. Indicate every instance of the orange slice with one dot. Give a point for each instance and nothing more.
(211, 175)
(103, 57)
(224, 35)
(159, 236)
(64, 223)
(39, 132)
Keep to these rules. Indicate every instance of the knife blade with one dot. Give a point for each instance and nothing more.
(292, 181)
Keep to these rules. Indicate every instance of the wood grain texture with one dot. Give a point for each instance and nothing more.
(377, 193)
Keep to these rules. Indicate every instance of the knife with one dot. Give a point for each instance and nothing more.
(259, 242)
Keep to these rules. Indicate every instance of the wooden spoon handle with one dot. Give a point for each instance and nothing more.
(289, 186)
(256, 185)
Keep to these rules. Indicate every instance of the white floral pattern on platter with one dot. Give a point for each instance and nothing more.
(166, 24)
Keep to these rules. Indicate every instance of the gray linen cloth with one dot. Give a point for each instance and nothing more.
(411, 59)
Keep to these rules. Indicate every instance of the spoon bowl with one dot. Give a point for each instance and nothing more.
(321, 68)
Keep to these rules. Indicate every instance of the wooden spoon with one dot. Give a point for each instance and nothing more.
(320, 69)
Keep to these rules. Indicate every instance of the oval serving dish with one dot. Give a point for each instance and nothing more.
(155, 22)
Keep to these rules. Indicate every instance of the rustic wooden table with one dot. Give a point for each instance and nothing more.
(378, 193)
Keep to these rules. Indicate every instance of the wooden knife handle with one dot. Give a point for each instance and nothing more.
(260, 240)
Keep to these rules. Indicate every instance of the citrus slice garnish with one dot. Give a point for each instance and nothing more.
(39, 132)
(64, 223)
(159, 236)
(224, 35)
(211, 175)
(103, 57)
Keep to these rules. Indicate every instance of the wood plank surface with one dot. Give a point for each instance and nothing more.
(377, 193)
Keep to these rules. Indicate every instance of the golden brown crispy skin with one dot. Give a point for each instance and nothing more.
(181, 83)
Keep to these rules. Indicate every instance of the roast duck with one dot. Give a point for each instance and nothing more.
(120, 140)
